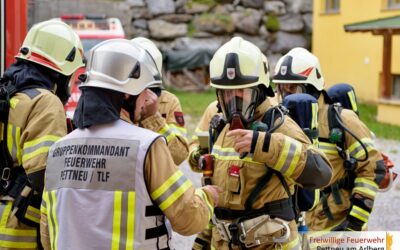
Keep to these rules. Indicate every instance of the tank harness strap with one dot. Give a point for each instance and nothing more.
(325, 206)
(158, 231)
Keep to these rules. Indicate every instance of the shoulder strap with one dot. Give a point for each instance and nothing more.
(7, 90)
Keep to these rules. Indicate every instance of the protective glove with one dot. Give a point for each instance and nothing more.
(194, 157)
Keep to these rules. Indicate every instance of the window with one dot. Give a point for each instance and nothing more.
(393, 4)
(333, 6)
(396, 87)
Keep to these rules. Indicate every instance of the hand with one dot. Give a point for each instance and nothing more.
(242, 140)
(146, 105)
(214, 191)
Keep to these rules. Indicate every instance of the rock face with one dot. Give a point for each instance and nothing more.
(275, 26)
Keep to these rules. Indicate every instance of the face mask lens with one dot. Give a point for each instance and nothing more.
(242, 102)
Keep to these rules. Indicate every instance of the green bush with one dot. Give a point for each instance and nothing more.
(272, 23)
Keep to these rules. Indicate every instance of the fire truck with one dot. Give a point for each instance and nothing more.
(92, 29)
(13, 25)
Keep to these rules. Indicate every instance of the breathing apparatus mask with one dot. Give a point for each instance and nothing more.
(239, 105)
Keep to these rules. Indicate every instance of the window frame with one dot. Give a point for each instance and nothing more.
(331, 6)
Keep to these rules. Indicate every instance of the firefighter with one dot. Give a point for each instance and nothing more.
(357, 166)
(256, 170)
(165, 115)
(109, 183)
(38, 83)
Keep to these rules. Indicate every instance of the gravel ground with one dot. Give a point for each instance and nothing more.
(385, 216)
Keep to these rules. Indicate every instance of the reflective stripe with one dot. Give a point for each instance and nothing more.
(33, 214)
(53, 224)
(353, 102)
(10, 139)
(203, 195)
(328, 148)
(116, 228)
(171, 190)
(4, 214)
(19, 149)
(293, 245)
(43, 206)
(123, 221)
(365, 186)
(169, 131)
(289, 157)
(38, 146)
(359, 213)
(229, 154)
(357, 151)
(130, 230)
(13, 102)
(314, 120)
(15, 238)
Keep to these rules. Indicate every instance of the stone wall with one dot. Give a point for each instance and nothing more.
(275, 26)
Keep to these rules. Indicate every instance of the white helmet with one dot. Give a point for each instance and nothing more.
(299, 66)
(238, 64)
(120, 65)
(54, 45)
(152, 49)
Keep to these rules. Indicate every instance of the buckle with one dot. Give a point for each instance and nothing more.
(6, 174)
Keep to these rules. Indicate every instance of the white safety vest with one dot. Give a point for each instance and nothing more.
(96, 195)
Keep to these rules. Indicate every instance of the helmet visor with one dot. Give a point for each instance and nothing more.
(238, 101)
(288, 89)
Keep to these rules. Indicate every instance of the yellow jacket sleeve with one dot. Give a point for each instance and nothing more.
(189, 210)
(371, 171)
(45, 125)
(289, 151)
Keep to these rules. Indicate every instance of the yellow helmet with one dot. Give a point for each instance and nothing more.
(238, 64)
(54, 45)
(152, 49)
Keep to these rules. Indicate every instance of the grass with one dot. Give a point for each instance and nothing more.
(368, 113)
(194, 103)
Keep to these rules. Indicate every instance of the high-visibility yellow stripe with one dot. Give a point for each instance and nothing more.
(54, 205)
(203, 195)
(166, 185)
(365, 186)
(33, 143)
(293, 245)
(359, 213)
(13, 102)
(116, 232)
(10, 139)
(173, 197)
(11, 244)
(130, 230)
(295, 159)
(4, 216)
(282, 158)
(35, 153)
(18, 232)
(19, 149)
(46, 196)
(314, 113)
(352, 98)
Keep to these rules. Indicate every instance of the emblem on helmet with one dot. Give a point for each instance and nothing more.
(231, 73)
